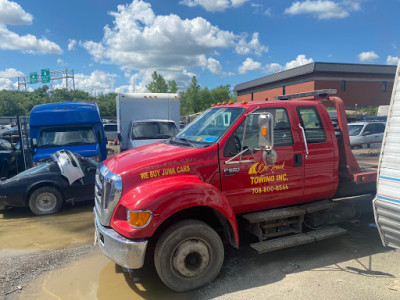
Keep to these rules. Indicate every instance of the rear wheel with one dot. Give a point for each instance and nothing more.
(189, 254)
(45, 200)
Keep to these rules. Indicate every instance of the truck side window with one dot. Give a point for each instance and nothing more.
(282, 132)
(312, 124)
(282, 128)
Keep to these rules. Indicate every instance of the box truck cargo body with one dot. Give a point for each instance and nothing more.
(145, 118)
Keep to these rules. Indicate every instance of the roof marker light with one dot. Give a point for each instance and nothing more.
(244, 102)
(212, 105)
(219, 103)
(230, 102)
(224, 102)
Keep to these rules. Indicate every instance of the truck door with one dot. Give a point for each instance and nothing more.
(247, 181)
(320, 173)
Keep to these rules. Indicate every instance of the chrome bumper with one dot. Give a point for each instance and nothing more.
(124, 252)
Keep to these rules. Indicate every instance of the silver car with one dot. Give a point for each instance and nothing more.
(366, 133)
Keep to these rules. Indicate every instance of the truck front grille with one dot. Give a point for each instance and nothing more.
(107, 193)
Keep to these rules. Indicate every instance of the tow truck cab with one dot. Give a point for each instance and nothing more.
(267, 166)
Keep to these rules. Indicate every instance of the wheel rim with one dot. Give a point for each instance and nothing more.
(46, 202)
(191, 258)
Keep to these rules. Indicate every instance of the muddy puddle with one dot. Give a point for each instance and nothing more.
(96, 277)
(21, 230)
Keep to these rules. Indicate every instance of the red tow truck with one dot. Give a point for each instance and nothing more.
(271, 168)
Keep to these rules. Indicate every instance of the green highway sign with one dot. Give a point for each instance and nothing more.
(33, 78)
(45, 75)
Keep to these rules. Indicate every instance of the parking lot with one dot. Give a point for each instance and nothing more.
(52, 257)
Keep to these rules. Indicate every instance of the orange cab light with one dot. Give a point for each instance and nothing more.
(230, 102)
(139, 218)
(212, 105)
(219, 103)
(155, 96)
(224, 102)
(244, 102)
(264, 131)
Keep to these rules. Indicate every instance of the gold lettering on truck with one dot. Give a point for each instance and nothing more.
(268, 183)
(165, 172)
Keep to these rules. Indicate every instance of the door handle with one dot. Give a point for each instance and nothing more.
(298, 160)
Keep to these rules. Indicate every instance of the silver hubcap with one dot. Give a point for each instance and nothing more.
(191, 258)
(46, 201)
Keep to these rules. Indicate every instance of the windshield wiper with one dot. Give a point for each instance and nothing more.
(186, 141)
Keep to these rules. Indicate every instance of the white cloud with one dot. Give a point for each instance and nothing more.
(299, 61)
(249, 65)
(324, 9)
(95, 83)
(61, 63)
(138, 40)
(214, 5)
(11, 73)
(6, 84)
(71, 45)
(267, 12)
(368, 56)
(254, 45)
(11, 13)
(392, 60)
(273, 68)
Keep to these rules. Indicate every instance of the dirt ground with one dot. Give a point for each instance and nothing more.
(52, 257)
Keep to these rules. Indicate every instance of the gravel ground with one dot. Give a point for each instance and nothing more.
(17, 271)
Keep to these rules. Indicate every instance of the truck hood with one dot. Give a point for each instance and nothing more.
(83, 150)
(150, 161)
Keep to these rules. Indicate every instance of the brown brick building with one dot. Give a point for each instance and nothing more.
(361, 84)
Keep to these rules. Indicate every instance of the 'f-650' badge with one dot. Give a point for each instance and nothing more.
(231, 171)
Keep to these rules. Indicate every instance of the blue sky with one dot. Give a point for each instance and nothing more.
(115, 46)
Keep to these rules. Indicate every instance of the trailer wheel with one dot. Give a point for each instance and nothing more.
(45, 200)
(189, 254)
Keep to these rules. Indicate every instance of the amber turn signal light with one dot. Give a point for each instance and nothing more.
(139, 218)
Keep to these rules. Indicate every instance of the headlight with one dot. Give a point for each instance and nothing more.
(139, 218)
(94, 158)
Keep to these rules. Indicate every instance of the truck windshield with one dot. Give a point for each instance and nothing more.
(153, 130)
(354, 129)
(66, 136)
(210, 126)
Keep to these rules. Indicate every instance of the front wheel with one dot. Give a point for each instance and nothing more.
(189, 254)
(45, 200)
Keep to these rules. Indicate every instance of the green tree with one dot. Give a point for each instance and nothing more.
(158, 85)
(172, 86)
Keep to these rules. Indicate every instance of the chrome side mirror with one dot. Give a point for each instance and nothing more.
(266, 138)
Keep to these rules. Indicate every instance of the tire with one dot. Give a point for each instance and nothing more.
(188, 255)
(45, 200)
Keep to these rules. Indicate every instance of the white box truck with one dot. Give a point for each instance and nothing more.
(144, 118)
(387, 200)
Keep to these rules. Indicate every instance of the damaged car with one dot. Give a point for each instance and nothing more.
(64, 178)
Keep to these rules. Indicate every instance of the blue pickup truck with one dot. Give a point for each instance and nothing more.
(74, 126)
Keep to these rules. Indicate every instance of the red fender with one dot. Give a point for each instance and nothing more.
(165, 197)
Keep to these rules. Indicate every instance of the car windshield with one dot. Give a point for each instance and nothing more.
(153, 130)
(207, 128)
(66, 136)
(354, 129)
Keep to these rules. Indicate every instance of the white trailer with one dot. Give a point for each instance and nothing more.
(144, 118)
(387, 201)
